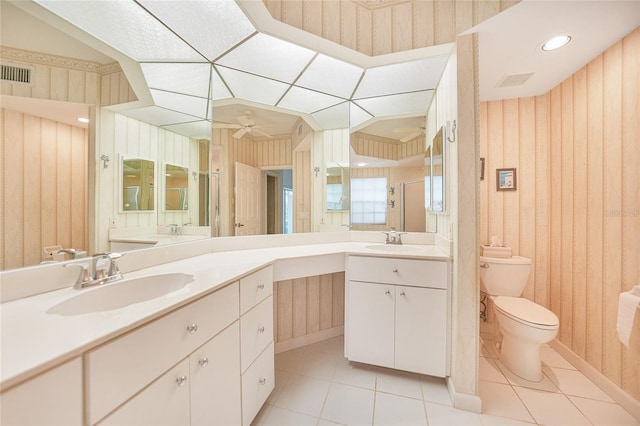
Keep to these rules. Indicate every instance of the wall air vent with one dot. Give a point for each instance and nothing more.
(16, 74)
(514, 80)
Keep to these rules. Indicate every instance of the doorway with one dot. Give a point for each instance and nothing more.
(279, 201)
(413, 215)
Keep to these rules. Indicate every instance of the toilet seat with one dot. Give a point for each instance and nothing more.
(526, 312)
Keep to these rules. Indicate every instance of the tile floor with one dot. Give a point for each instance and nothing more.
(316, 385)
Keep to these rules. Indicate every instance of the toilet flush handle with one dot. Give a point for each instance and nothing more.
(484, 265)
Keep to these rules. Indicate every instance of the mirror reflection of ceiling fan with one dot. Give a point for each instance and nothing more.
(414, 132)
(246, 125)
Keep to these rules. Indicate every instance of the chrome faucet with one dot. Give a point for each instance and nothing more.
(105, 269)
(71, 252)
(393, 237)
(173, 228)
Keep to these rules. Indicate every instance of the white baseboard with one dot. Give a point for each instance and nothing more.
(464, 401)
(308, 339)
(621, 397)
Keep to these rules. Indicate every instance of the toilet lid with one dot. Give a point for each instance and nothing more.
(526, 310)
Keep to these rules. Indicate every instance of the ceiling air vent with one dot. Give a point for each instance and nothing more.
(514, 80)
(16, 74)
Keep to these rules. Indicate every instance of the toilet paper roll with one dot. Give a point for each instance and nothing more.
(628, 304)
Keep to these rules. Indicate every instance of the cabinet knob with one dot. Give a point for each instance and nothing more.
(388, 293)
(192, 328)
(260, 330)
(402, 293)
(262, 381)
(203, 362)
(181, 381)
(395, 270)
(260, 286)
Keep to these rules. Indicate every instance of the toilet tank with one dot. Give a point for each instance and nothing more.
(504, 277)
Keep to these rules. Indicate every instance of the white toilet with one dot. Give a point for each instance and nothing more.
(523, 324)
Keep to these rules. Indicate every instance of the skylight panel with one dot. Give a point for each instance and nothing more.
(304, 100)
(188, 104)
(193, 21)
(126, 27)
(158, 116)
(332, 76)
(400, 78)
(268, 57)
(193, 130)
(188, 79)
(336, 117)
(357, 115)
(407, 103)
(251, 87)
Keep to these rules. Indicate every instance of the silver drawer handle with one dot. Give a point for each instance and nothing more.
(181, 381)
(262, 381)
(260, 286)
(203, 362)
(387, 292)
(192, 328)
(484, 265)
(260, 330)
(402, 293)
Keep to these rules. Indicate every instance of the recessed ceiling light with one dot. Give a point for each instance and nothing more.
(82, 119)
(361, 164)
(556, 42)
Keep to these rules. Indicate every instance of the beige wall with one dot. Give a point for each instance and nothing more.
(576, 212)
(43, 187)
(378, 28)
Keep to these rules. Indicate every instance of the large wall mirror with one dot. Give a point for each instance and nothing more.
(290, 124)
(176, 187)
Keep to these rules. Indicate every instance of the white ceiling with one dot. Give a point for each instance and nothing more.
(511, 42)
(247, 60)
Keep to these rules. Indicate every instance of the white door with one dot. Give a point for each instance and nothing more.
(247, 190)
(370, 326)
(421, 327)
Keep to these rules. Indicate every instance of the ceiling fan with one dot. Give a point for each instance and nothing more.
(246, 125)
(415, 131)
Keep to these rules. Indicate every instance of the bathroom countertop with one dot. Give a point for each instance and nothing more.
(34, 340)
(158, 239)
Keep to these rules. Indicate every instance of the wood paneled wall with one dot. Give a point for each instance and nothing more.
(390, 149)
(302, 191)
(576, 212)
(378, 28)
(43, 180)
(304, 306)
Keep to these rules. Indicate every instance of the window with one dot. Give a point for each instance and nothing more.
(369, 201)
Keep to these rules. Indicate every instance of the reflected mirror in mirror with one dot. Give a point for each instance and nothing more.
(138, 179)
(387, 175)
(437, 171)
(337, 187)
(176, 188)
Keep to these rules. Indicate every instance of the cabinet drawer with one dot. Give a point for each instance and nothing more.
(256, 331)
(164, 402)
(255, 288)
(125, 365)
(420, 273)
(257, 383)
(54, 397)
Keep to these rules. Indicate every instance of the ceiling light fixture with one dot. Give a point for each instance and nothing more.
(82, 119)
(556, 42)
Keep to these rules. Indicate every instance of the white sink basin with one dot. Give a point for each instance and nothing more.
(121, 293)
(395, 248)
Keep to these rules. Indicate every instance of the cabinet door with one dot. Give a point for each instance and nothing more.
(256, 331)
(54, 397)
(215, 380)
(421, 330)
(163, 402)
(370, 323)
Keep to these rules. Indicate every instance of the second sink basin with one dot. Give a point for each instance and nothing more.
(121, 293)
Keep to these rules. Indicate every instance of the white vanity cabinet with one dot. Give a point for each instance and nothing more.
(54, 397)
(397, 312)
(256, 337)
(154, 359)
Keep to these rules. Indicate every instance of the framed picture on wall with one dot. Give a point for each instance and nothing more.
(506, 180)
